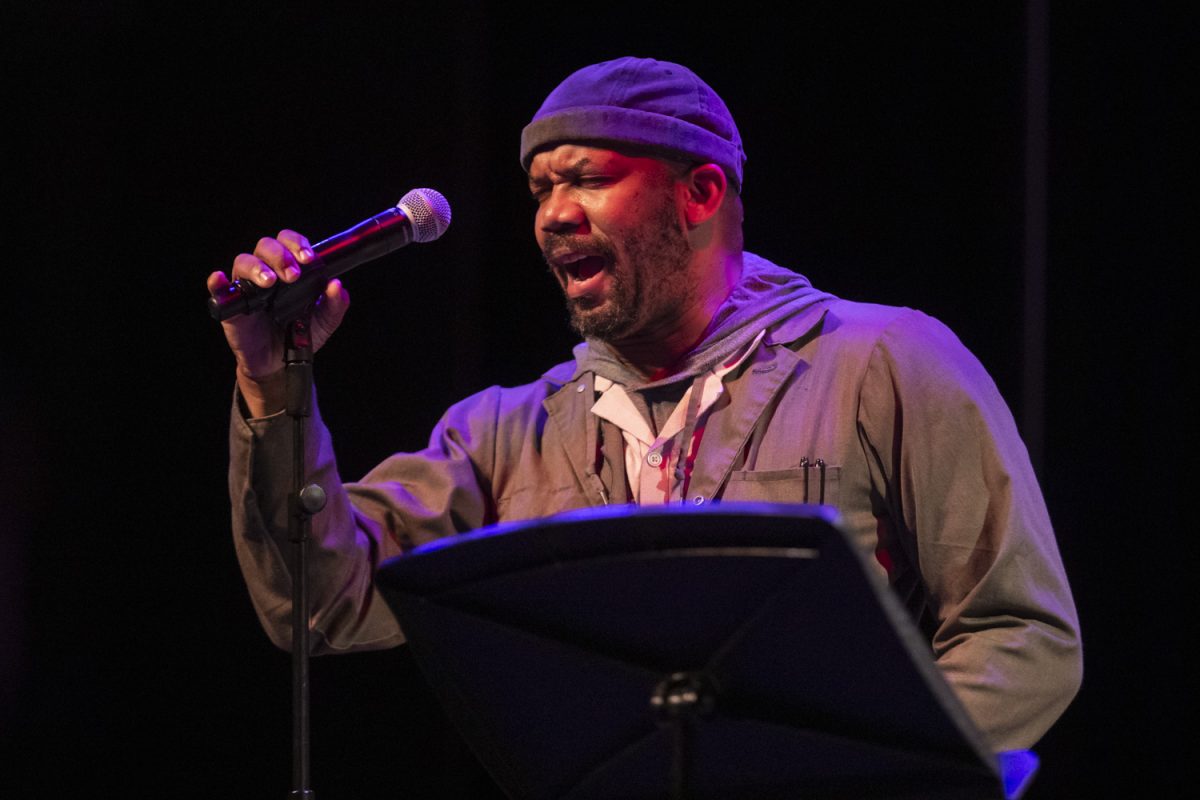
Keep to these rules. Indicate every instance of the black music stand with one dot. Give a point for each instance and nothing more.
(742, 651)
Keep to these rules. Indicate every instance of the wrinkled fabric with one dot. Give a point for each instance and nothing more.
(764, 296)
(919, 453)
(640, 102)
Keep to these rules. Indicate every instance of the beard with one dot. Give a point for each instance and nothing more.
(649, 284)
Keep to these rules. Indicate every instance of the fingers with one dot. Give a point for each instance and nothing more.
(253, 338)
(297, 245)
(280, 258)
(217, 283)
(251, 268)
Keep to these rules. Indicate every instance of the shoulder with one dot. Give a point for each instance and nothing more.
(848, 332)
(884, 348)
(869, 323)
(893, 331)
(912, 356)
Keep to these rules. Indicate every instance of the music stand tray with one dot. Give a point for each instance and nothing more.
(740, 651)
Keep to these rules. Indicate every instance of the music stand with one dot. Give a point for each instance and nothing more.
(739, 651)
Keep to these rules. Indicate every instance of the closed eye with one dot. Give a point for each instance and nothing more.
(594, 181)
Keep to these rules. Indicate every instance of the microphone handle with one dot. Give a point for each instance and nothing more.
(285, 302)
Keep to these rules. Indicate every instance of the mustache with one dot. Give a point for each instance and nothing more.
(555, 244)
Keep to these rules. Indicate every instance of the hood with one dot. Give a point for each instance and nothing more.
(765, 296)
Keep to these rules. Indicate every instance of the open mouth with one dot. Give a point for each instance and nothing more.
(583, 267)
(581, 273)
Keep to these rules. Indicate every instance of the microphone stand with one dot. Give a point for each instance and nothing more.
(303, 502)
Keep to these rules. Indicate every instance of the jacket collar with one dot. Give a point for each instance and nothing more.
(804, 325)
(569, 409)
(754, 385)
(752, 390)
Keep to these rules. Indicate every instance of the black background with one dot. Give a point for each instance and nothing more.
(149, 145)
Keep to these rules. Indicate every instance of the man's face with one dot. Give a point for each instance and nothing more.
(611, 231)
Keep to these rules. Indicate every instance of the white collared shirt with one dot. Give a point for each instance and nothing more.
(652, 463)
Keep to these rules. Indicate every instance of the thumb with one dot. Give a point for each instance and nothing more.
(327, 316)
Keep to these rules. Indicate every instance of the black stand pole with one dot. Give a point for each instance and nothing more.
(304, 501)
(680, 701)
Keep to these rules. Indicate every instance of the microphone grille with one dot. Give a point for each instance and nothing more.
(427, 211)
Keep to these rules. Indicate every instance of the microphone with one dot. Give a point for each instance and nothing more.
(422, 215)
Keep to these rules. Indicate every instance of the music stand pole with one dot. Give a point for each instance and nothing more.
(303, 502)
(680, 701)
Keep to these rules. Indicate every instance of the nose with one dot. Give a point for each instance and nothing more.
(561, 213)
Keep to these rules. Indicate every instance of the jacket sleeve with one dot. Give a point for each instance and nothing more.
(964, 507)
(409, 499)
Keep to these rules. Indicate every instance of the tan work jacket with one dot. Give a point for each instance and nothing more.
(921, 457)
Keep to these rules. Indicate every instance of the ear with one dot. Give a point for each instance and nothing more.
(706, 187)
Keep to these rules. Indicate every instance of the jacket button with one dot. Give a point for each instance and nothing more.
(698, 500)
(654, 459)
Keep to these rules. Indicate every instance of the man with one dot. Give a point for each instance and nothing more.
(706, 374)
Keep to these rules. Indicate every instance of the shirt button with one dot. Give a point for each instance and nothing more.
(579, 387)
(698, 500)
(654, 459)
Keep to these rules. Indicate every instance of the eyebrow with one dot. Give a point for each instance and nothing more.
(572, 171)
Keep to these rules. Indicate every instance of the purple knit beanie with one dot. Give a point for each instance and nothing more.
(642, 102)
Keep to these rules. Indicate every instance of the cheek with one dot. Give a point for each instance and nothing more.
(539, 234)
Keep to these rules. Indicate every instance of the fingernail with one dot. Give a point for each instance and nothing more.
(306, 255)
(293, 272)
(265, 276)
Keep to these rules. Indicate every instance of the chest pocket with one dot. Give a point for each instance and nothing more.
(812, 484)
